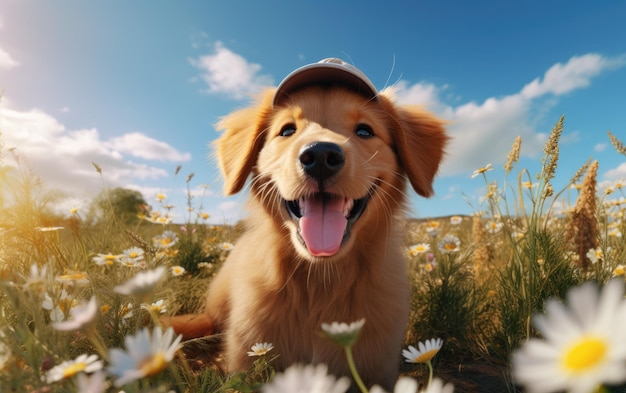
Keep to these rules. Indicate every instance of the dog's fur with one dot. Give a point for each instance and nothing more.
(272, 288)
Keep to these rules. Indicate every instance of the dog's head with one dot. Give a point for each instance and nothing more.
(329, 156)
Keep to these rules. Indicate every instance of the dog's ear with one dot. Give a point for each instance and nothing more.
(238, 147)
(420, 141)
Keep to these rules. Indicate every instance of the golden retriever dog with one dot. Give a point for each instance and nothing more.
(327, 159)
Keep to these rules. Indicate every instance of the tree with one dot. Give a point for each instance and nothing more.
(120, 204)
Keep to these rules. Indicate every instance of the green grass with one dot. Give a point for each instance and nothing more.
(513, 254)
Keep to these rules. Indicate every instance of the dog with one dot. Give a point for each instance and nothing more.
(328, 160)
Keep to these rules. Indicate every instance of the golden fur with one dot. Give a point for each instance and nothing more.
(271, 288)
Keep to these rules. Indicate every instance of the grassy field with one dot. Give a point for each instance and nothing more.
(81, 294)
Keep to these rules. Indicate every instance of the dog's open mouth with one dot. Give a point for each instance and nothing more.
(324, 220)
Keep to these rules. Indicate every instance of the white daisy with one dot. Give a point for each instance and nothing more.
(456, 220)
(449, 243)
(260, 349)
(583, 343)
(343, 333)
(107, 259)
(307, 379)
(165, 240)
(482, 170)
(73, 278)
(226, 246)
(133, 257)
(58, 307)
(69, 368)
(142, 283)
(81, 315)
(146, 355)
(157, 307)
(37, 281)
(403, 385)
(95, 383)
(418, 249)
(177, 271)
(437, 386)
(427, 350)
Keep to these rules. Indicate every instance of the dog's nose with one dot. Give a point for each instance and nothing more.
(321, 160)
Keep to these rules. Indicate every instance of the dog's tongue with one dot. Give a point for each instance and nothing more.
(323, 224)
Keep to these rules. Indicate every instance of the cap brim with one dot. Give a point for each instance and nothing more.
(325, 74)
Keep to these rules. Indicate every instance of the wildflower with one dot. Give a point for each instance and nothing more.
(177, 271)
(456, 220)
(146, 355)
(449, 243)
(494, 226)
(160, 197)
(583, 343)
(595, 255)
(69, 368)
(132, 257)
(74, 210)
(226, 246)
(157, 307)
(614, 232)
(432, 228)
(618, 271)
(165, 240)
(205, 265)
(81, 315)
(126, 311)
(306, 379)
(37, 282)
(96, 383)
(260, 349)
(425, 353)
(60, 306)
(429, 267)
(529, 185)
(204, 215)
(142, 283)
(403, 385)
(105, 259)
(482, 170)
(437, 386)
(342, 333)
(419, 249)
(73, 278)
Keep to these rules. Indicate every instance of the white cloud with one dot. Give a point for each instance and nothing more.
(576, 73)
(63, 158)
(600, 147)
(483, 132)
(7, 61)
(616, 173)
(139, 145)
(231, 74)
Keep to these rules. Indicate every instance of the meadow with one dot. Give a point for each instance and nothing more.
(525, 295)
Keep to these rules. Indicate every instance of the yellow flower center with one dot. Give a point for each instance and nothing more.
(449, 246)
(426, 356)
(585, 354)
(73, 369)
(153, 365)
(133, 254)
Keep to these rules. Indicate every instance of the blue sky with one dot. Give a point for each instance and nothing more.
(136, 86)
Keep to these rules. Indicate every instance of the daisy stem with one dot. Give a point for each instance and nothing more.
(353, 370)
(430, 372)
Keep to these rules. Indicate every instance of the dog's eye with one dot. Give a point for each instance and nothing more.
(364, 131)
(288, 130)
